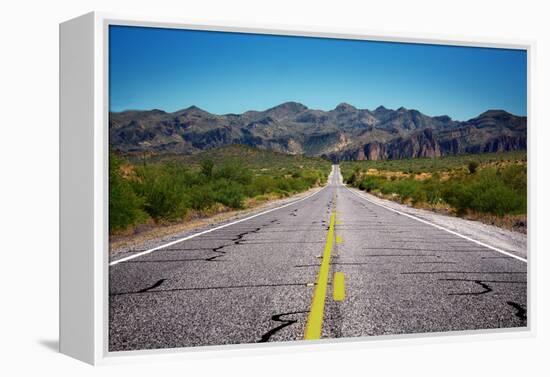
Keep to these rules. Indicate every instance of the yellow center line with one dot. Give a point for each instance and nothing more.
(314, 325)
(339, 239)
(339, 286)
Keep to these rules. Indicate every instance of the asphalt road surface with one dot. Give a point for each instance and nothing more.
(329, 266)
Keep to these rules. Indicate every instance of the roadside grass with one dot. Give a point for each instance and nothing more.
(487, 187)
(160, 190)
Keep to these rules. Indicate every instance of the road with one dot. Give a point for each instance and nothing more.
(328, 266)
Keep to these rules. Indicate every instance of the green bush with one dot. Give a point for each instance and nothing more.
(201, 197)
(125, 207)
(351, 179)
(433, 189)
(515, 177)
(458, 196)
(230, 194)
(472, 166)
(310, 177)
(405, 188)
(261, 185)
(207, 166)
(369, 183)
(491, 194)
(232, 171)
(486, 192)
(164, 191)
(496, 199)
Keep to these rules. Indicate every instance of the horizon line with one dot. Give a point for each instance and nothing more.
(308, 108)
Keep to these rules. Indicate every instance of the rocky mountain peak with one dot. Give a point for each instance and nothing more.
(495, 113)
(192, 110)
(443, 118)
(381, 111)
(288, 107)
(345, 107)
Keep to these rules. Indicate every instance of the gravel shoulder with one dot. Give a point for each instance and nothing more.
(513, 242)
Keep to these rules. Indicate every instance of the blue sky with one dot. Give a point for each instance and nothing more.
(167, 69)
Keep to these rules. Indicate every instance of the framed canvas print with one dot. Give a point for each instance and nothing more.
(233, 188)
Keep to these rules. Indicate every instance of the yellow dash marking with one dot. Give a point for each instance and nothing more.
(339, 287)
(314, 325)
(339, 239)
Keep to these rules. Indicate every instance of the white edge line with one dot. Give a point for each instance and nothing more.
(211, 230)
(438, 226)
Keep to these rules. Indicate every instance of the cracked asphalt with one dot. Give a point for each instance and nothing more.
(253, 281)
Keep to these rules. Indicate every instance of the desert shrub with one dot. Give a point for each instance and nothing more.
(419, 195)
(298, 184)
(310, 177)
(370, 183)
(232, 171)
(164, 191)
(472, 166)
(433, 189)
(515, 177)
(282, 185)
(260, 185)
(405, 188)
(207, 167)
(486, 192)
(125, 207)
(228, 193)
(353, 177)
(495, 199)
(491, 194)
(201, 197)
(457, 195)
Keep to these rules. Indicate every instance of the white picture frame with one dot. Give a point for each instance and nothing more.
(84, 190)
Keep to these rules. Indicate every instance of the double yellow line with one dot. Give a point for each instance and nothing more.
(314, 325)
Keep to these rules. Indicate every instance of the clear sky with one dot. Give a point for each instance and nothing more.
(166, 69)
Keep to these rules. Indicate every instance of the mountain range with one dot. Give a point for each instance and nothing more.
(344, 133)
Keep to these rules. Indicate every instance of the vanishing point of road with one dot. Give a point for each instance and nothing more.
(330, 265)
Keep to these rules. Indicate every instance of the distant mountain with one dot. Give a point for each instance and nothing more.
(344, 133)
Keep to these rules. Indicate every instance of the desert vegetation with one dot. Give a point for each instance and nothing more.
(174, 188)
(485, 186)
